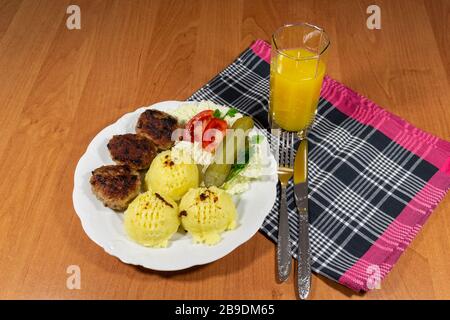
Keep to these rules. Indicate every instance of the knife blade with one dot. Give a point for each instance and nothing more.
(301, 199)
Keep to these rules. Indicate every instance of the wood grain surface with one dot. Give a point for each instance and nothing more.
(59, 87)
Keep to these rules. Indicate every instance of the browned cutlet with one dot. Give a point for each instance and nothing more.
(115, 185)
(134, 150)
(158, 127)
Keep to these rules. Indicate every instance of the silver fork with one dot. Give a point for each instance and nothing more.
(285, 157)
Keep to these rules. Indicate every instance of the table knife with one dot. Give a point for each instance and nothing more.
(301, 199)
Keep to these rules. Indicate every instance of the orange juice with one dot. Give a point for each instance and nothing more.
(295, 80)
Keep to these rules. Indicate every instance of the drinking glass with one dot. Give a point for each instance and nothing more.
(298, 63)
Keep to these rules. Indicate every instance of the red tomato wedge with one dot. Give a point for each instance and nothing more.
(214, 133)
(207, 129)
(197, 124)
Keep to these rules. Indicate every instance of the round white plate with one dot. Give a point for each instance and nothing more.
(105, 226)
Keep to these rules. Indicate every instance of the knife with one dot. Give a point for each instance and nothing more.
(301, 199)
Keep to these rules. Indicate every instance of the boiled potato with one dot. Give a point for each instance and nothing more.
(171, 178)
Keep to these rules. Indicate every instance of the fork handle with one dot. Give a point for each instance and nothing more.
(283, 246)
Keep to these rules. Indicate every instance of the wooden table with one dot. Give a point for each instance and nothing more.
(59, 87)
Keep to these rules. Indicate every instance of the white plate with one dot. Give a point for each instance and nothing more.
(105, 226)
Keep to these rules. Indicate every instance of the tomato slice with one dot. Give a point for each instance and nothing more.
(197, 124)
(214, 133)
(207, 129)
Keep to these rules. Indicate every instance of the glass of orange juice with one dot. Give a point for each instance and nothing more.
(298, 63)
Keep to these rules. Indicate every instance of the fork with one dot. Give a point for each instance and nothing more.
(285, 141)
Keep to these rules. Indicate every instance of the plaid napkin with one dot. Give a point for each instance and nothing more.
(374, 179)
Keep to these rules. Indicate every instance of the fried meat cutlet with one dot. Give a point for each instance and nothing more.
(115, 185)
(134, 150)
(158, 126)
